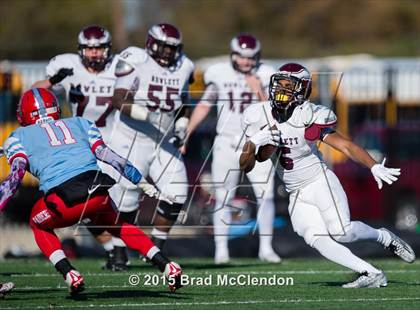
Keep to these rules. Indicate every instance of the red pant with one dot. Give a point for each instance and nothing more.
(97, 209)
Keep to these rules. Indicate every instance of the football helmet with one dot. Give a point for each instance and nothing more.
(246, 46)
(95, 36)
(289, 87)
(37, 105)
(164, 44)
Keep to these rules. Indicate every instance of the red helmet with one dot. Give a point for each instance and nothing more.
(289, 87)
(247, 46)
(37, 105)
(164, 44)
(95, 36)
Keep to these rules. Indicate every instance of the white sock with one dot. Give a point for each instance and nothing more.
(341, 255)
(109, 245)
(265, 220)
(118, 242)
(358, 231)
(159, 234)
(152, 252)
(221, 220)
(56, 256)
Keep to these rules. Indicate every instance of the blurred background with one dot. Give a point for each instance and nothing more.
(365, 59)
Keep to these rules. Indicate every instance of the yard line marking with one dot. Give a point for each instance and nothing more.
(215, 303)
(217, 272)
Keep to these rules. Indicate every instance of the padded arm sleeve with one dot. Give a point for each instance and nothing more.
(10, 185)
(123, 166)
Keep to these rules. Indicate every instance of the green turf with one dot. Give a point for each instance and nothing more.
(316, 285)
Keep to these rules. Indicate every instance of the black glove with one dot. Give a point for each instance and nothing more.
(75, 94)
(60, 75)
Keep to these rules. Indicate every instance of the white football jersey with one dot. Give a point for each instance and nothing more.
(160, 89)
(297, 161)
(97, 88)
(232, 94)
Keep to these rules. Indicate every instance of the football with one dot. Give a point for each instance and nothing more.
(266, 151)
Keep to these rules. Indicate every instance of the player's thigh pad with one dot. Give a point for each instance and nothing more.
(168, 171)
(330, 198)
(306, 218)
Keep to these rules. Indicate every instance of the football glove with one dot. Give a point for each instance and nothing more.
(382, 173)
(180, 132)
(75, 94)
(264, 137)
(60, 75)
(153, 192)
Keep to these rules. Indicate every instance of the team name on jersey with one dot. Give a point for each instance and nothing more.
(165, 81)
(97, 89)
(234, 85)
(289, 141)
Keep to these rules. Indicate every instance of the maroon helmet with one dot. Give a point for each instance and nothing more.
(289, 87)
(95, 36)
(164, 44)
(247, 46)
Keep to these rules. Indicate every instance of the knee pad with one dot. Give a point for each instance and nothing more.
(311, 235)
(343, 234)
(169, 211)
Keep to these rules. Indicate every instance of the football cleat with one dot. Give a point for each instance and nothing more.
(120, 260)
(372, 280)
(398, 246)
(173, 274)
(6, 288)
(75, 282)
(269, 257)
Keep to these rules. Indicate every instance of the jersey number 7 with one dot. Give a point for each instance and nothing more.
(101, 121)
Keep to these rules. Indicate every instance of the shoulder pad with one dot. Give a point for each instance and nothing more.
(189, 63)
(319, 114)
(253, 118)
(265, 71)
(62, 61)
(123, 68)
(213, 73)
(133, 56)
(324, 116)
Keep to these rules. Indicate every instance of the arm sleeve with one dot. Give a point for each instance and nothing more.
(123, 166)
(13, 148)
(94, 135)
(11, 184)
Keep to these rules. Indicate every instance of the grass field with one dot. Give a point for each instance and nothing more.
(316, 285)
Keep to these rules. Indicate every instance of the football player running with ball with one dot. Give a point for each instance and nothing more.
(63, 154)
(318, 205)
(232, 86)
(151, 93)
